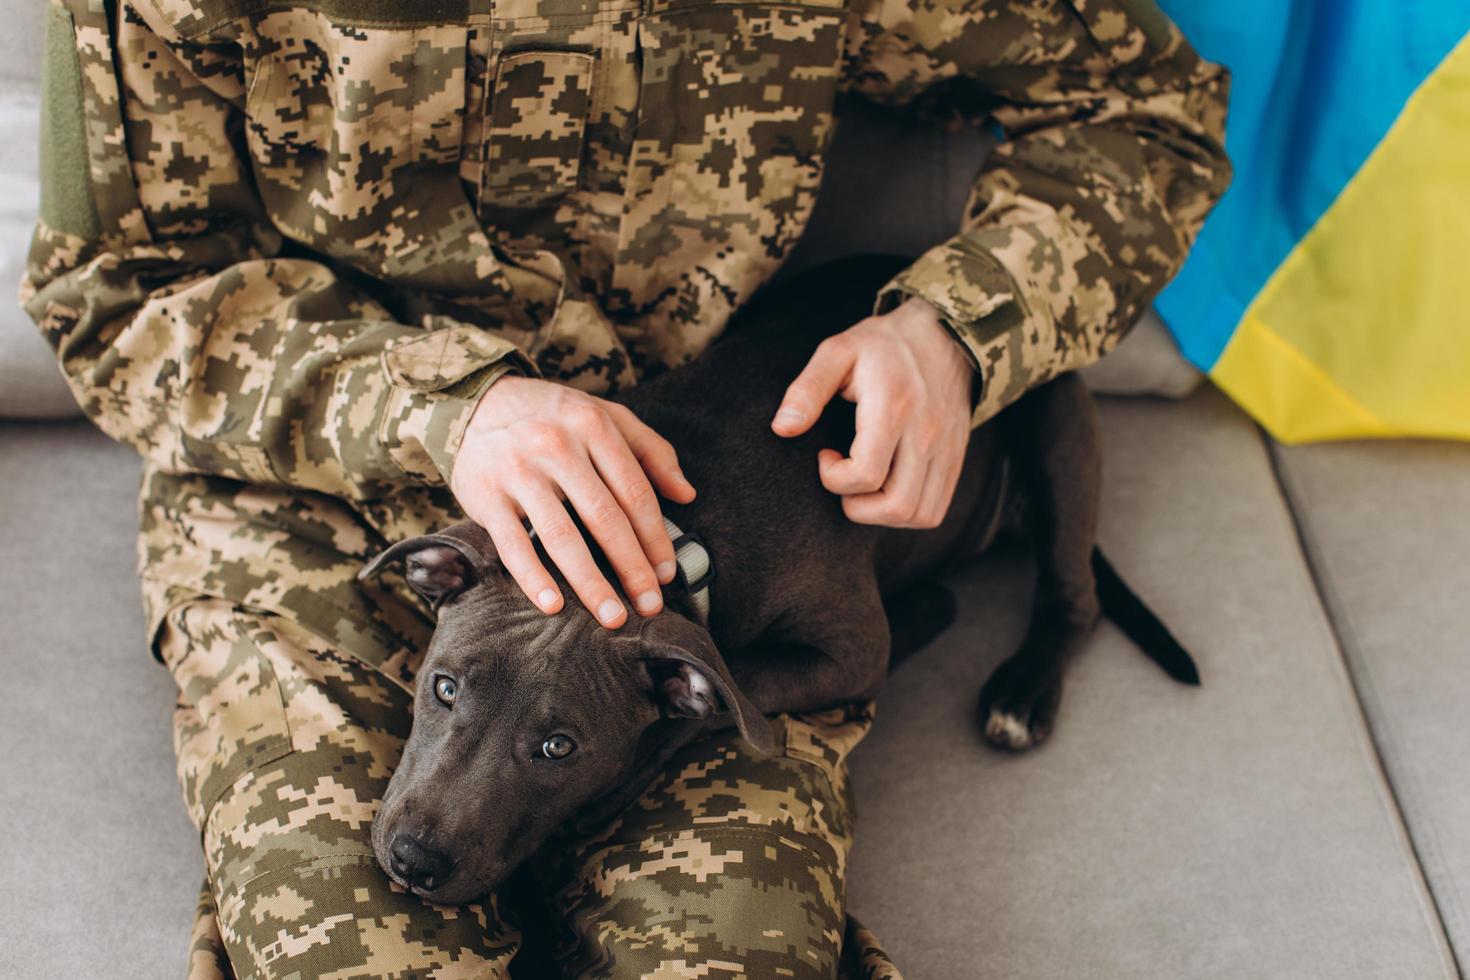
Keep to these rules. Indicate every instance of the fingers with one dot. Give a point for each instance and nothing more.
(530, 445)
(897, 503)
(620, 471)
(564, 543)
(609, 523)
(823, 377)
(519, 557)
(654, 454)
(880, 419)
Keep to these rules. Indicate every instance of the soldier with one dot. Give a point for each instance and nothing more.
(345, 270)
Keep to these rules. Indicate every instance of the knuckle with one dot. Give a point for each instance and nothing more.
(515, 469)
(546, 439)
(586, 416)
(509, 540)
(559, 532)
(868, 475)
(606, 514)
(901, 399)
(898, 511)
(638, 493)
(834, 346)
(661, 449)
(637, 578)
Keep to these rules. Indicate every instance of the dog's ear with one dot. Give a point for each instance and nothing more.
(691, 680)
(440, 566)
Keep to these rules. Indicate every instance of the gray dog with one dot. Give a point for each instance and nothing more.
(526, 723)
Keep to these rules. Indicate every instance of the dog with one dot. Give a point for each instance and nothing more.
(526, 723)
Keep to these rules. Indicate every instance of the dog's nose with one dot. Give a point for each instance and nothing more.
(417, 864)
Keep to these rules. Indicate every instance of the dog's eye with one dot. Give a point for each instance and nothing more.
(445, 690)
(557, 747)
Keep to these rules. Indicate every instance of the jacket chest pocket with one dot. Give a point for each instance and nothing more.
(735, 112)
(352, 132)
(737, 85)
(536, 122)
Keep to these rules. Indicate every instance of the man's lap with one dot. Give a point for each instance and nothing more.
(286, 745)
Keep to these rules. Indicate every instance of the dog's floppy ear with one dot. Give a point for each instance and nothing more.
(690, 679)
(442, 565)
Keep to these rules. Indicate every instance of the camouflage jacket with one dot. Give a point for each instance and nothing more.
(284, 245)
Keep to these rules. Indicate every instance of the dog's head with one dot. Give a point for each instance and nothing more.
(523, 720)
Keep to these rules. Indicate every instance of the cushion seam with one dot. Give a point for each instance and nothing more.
(1361, 688)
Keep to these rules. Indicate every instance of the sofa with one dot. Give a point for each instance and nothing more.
(1304, 813)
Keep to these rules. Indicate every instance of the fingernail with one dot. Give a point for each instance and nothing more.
(789, 416)
(647, 602)
(665, 571)
(546, 598)
(608, 611)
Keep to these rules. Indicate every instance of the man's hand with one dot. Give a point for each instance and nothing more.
(912, 385)
(532, 446)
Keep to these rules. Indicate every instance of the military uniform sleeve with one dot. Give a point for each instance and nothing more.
(1111, 156)
(184, 323)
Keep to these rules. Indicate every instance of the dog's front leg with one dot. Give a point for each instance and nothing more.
(845, 667)
(1053, 434)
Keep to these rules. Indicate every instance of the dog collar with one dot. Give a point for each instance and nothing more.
(696, 570)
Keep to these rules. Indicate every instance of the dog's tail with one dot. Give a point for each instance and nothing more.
(1122, 605)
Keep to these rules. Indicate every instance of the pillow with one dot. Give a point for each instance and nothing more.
(1146, 362)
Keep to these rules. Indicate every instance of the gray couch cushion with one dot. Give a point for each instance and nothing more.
(1387, 528)
(1146, 362)
(100, 863)
(1239, 830)
(20, 45)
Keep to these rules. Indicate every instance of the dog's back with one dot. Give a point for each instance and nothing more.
(761, 501)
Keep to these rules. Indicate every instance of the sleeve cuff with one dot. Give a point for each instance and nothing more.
(978, 303)
(437, 380)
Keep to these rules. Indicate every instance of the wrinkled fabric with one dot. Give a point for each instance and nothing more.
(311, 233)
(283, 248)
(303, 238)
(729, 864)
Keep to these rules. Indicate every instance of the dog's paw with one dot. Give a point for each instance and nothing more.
(1018, 705)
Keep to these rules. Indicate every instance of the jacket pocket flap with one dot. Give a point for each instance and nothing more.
(443, 357)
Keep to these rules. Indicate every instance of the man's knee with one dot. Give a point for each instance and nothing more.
(342, 917)
(285, 750)
(730, 864)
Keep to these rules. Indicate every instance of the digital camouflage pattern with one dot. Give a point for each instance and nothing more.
(285, 746)
(284, 247)
(728, 866)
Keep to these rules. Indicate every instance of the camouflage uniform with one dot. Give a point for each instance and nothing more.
(284, 246)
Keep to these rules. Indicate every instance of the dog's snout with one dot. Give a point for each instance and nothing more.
(417, 864)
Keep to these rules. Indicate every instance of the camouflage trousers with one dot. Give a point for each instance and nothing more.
(729, 866)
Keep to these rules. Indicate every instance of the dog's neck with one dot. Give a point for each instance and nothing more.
(696, 572)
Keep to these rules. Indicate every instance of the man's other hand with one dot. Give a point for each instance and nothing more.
(532, 447)
(912, 384)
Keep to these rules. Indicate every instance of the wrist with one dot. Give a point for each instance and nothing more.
(477, 416)
(919, 312)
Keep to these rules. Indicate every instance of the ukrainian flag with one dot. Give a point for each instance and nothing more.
(1329, 293)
